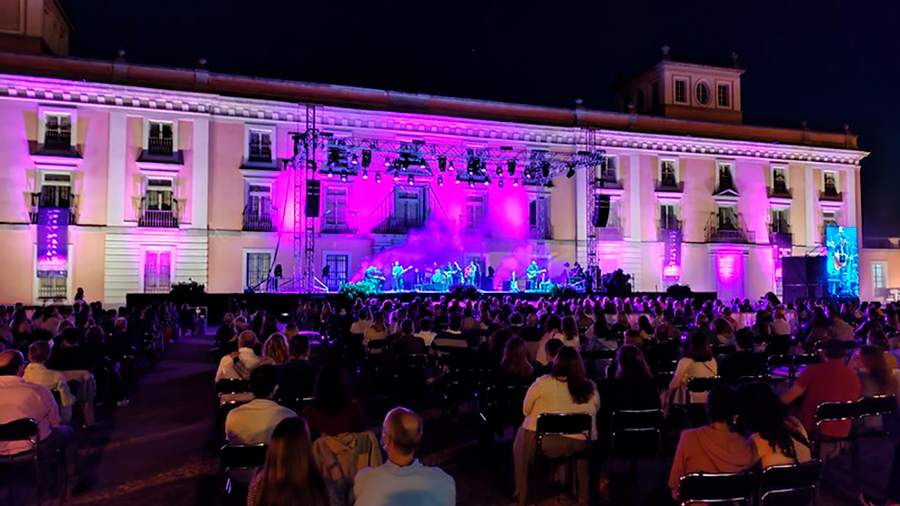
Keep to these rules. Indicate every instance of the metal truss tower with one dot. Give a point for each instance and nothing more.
(304, 221)
(590, 145)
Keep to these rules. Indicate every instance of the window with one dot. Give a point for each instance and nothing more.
(829, 183)
(680, 91)
(723, 95)
(780, 221)
(668, 174)
(336, 211)
(157, 271)
(878, 280)
(52, 288)
(702, 93)
(779, 181)
(538, 217)
(260, 148)
(474, 211)
(829, 219)
(725, 177)
(57, 131)
(56, 190)
(668, 217)
(161, 138)
(654, 94)
(258, 208)
(338, 267)
(727, 218)
(256, 276)
(608, 170)
(159, 204)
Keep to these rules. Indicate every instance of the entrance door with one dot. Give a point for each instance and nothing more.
(409, 207)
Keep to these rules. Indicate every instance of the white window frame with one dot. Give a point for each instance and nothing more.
(484, 208)
(709, 93)
(244, 257)
(728, 87)
(147, 176)
(264, 128)
(157, 119)
(834, 212)
(35, 284)
(772, 169)
(785, 210)
(734, 212)
(598, 174)
(730, 164)
(677, 169)
(348, 254)
(687, 87)
(675, 205)
(173, 259)
(837, 179)
(44, 111)
(884, 277)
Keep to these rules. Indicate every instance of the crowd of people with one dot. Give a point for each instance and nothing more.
(579, 356)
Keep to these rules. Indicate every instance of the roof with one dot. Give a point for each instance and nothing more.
(200, 80)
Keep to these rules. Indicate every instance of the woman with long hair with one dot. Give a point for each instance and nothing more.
(332, 411)
(491, 352)
(697, 363)
(275, 350)
(565, 390)
(875, 374)
(378, 330)
(779, 438)
(514, 366)
(632, 387)
(289, 476)
(569, 335)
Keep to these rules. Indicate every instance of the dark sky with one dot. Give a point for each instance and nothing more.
(827, 62)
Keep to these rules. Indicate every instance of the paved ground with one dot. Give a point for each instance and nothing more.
(162, 448)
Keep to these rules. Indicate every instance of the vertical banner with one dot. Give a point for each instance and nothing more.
(843, 262)
(783, 248)
(672, 255)
(52, 242)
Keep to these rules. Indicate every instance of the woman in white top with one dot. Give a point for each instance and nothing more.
(698, 363)
(377, 331)
(565, 390)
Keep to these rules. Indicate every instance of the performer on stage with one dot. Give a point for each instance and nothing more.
(513, 283)
(374, 277)
(532, 275)
(470, 272)
(398, 271)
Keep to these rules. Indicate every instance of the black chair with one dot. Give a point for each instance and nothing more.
(295, 404)
(726, 488)
(24, 429)
(463, 384)
(776, 362)
(410, 376)
(599, 355)
(232, 386)
(565, 424)
(743, 380)
(872, 407)
(237, 458)
(501, 406)
(696, 411)
(804, 361)
(790, 485)
(637, 435)
(830, 412)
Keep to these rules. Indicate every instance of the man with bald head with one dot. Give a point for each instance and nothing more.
(403, 480)
(20, 399)
(245, 355)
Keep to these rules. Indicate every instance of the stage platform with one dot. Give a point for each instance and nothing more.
(284, 304)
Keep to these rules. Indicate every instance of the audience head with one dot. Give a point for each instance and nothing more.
(699, 348)
(634, 338)
(834, 349)
(12, 363)
(568, 365)
(455, 321)
(569, 328)
(876, 367)
(72, 337)
(722, 404)
(515, 358)
(290, 475)
(228, 319)
(290, 330)
(331, 390)
(121, 325)
(407, 327)
(425, 324)
(631, 364)
(551, 348)
(264, 381)
(761, 411)
(401, 435)
(878, 339)
(39, 352)
(247, 339)
(275, 349)
(299, 347)
(745, 339)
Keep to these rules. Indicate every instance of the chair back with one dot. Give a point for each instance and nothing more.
(789, 484)
(804, 360)
(699, 385)
(376, 345)
(23, 429)
(716, 488)
(232, 386)
(563, 424)
(877, 405)
(411, 360)
(779, 361)
(836, 412)
(242, 457)
(599, 355)
(296, 404)
(463, 383)
(636, 434)
(503, 404)
(743, 380)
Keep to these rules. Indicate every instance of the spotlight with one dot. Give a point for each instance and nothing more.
(366, 158)
(487, 182)
(442, 163)
(378, 177)
(515, 182)
(527, 173)
(354, 160)
(499, 170)
(411, 180)
(331, 174)
(452, 168)
(365, 174)
(387, 162)
(343, 178)
(500, 183)
(471, 184)
(396, 177)
(571, 173)
(440, 180)
(457, 179)
(511, 167)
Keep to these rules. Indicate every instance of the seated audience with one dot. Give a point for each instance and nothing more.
(777, 437)
(745, 362)
(37, 373)
(20, 399)
(551, 348)
(406, 343)
(515, 369)
(377, 331)
(697, 363)
(244, 354)
(403, 480)
(875, 376)
(632, 386)
(297, 377)
(452, 338)
(253, 423)
(332, 411)
(289, 476)
(717, 447)
(425, 331)
(565, 390)
(360, 325)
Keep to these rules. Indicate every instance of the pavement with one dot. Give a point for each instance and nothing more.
(162, 449)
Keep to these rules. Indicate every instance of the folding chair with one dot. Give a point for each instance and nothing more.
(830, 412)
(599, 355)
(802, 361)
(295, 404)
(27, 429)
(726, 488)
(238, 458)
(565, 424)
(871, 407)
(232, 386)
(637, 435)
(501, 407)
(696, 411)
(790, 485)
(777, 362)
(410, 376)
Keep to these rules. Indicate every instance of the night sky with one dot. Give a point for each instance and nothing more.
(824, 61)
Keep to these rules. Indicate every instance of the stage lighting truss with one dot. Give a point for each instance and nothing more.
(348, 157)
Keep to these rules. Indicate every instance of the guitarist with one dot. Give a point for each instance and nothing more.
(531, 273)
(470, 272)
(398, 271)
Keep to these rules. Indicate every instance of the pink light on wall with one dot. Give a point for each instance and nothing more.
(727, 267)
(672, 271)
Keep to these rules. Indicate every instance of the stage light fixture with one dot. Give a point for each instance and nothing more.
(452, 168)
(471, 184)
(411, 180)
(343, 178)
(487, 182)
(500, 183)
(527, 173)
(440, 180)
(515, 182)
(545, 169)
(331, 174)
(354, 160)
(387, 162)
(511, 167)
(571, 172)
(442, 163)
(499, 170)
(365, 174)
(396, 177)
(366, 158)
(457, 179)
(378, 177)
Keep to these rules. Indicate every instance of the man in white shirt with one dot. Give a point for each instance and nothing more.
(37, 373)
(254, 422)
(403, 480)
(20, 399)
(245, 354)
(425, 331)
(360, 326)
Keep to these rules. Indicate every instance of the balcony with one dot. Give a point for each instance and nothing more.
(669, 185)
(611, 232)
(831, 195)
(161, 150)
(728, 230)
(780, 191)
(258, 222)
(609, 180)
(52, 199)
(52, 289)
(58, 140)
(341, 222)
(159, 218)
(726, 187)
(780, 233)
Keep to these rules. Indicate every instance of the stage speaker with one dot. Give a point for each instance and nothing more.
(313, 190)
(601, 210)
(803, 278)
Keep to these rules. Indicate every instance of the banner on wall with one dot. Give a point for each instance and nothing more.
(672, 255)
(52, 242)
(783, 248)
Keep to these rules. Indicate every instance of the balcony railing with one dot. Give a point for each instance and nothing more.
(58, 140)
(670, 185)
(343, 222)
(160, 146)
(161, 218)
(39, 200)
(780, 233)
(731, 231)
(609, 180)
(612, 231)
(52, 288)
(779, 190)
(831, 195)
(670, 223)
(258, 222)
